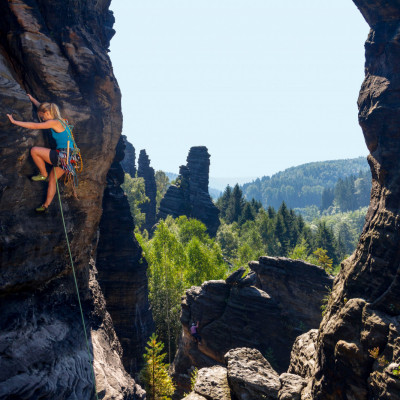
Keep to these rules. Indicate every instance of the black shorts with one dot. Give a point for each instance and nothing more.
(54, 157)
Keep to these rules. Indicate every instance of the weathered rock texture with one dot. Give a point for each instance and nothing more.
(147, 173)
(246, 375)
(57, 51)
(264, 310)
(251, 375)
(190, 195)
(122, 270)
(364, 309)
(129, 162)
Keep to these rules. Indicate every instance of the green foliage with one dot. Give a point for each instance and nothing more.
(323, 260)
(234, 208)
(193, 377)
(162, 183)
(154, 375)
(325, 300)
(284, 233)
(180, 254)
(302, 252)
(304, 185)
(134, 189)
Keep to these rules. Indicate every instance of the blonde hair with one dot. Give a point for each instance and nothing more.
(51, 108)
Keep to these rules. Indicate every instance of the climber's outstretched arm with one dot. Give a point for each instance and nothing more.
(53, 123)
(33, 100)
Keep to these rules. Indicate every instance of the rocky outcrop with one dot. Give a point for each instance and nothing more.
(147, 173)
(241, 312)
(302, 357)
(129, 162)
(251, 375)
(212, 383)
(122, 270)
(246, 375)
(364, 308)
(189, 196)
(57, 51)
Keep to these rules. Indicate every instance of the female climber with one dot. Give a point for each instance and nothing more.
(50, 115)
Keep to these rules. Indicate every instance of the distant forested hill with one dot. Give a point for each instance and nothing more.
(302, 186)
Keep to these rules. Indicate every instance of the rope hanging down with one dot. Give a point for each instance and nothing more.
(91, 359)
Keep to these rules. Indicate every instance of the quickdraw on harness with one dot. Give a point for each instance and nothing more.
(71, 160)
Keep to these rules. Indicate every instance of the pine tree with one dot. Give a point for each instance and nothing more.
(271, 212)
(247, 214)
(281, 235)
(325, 239)
(236, 205)
(158, 383)
(223, 201)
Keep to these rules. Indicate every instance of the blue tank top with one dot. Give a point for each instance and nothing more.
(62, 138)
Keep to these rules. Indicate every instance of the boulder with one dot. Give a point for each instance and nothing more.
(251, 376)
(292, 386)
(212, 383)
(302, 357)
(194, 396)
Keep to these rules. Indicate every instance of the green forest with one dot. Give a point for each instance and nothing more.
(180, 253)
(302, 186)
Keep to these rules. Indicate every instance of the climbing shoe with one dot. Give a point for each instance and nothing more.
(42, 209)
(40, 177)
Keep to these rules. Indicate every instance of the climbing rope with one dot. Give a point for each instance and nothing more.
(91, 359)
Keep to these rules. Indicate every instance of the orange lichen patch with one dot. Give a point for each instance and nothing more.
(24, 15)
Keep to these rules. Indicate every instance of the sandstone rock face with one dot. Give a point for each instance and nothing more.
(302, 358)
(190, 197)
(129, 162)
(251, 375)
(147, 173)
(57, 51)
(247, 376)
(212, 383)
(122, 270)
(364, 309)
(295, 285)
(291, 387)
(239, 313)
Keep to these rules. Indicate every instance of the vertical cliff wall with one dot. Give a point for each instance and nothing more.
(147, 173)
(129, 161)
(190, 195)
(122, 269)
(364, 310)
(57, 51)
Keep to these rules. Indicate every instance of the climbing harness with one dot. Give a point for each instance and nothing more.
(71, 160)
(91, 357)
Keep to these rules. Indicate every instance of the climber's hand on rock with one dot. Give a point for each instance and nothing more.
(10, 117)
(33, 100)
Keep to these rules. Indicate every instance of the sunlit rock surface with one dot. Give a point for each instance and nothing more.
(363, 313)
(56, 51)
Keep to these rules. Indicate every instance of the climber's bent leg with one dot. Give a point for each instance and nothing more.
(41, 155)
(51, 191)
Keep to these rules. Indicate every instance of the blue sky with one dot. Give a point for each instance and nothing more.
(265, 85)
